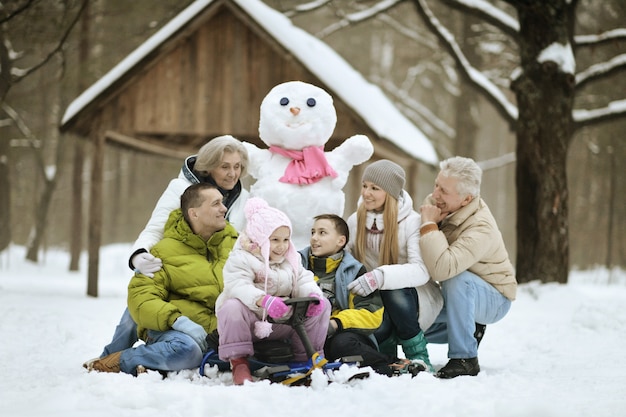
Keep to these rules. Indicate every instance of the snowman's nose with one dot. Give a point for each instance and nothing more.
(294, 110)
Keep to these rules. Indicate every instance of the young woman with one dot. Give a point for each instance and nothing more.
(385, 238)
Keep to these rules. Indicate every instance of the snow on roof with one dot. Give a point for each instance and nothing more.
(362, 96)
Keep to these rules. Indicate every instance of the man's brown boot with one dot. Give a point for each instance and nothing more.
(110, 363)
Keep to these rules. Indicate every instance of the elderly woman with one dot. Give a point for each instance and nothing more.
(222, 161)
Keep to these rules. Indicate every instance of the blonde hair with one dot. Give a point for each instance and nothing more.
(211, 154)
(389, 250)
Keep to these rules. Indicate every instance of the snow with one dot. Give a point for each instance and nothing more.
(494, 12)
(595, 38)
(559, 352)
(365, 98)
(560, 54)
(601, 68)
(614, 107)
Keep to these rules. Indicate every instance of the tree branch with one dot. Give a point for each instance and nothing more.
(26, 6)
(497, 162)
(34, 143)
(54, 51)
(507, 109)
(306, 7)
(613, 111)
(359, 17)
(488, 13)
(595, 40)
(423, 113)
(602, 70)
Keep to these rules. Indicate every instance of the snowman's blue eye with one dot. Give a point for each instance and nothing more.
(311, 102)
(284, 101)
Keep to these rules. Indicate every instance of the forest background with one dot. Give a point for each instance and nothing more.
(393, 50)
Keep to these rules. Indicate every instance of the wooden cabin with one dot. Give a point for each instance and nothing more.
(205, 73)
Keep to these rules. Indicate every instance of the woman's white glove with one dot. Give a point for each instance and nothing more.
(146, 264)
(366, 283)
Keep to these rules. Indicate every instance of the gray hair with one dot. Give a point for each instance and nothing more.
(211, 153)
(466, 171)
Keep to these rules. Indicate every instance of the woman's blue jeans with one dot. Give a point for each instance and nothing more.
(468, 299)
(400, 315)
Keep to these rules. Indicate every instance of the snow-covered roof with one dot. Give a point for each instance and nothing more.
(365, 98)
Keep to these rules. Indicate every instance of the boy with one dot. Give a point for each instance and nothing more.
(353, 318)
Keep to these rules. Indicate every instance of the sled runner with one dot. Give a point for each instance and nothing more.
(272, 359)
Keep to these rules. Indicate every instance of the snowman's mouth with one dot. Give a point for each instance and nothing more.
(295, 125)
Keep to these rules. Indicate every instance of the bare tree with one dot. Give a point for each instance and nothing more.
(78, 162)
(11, 73)
(543, 115)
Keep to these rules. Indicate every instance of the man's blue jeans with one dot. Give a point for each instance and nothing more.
(170, 350)
(468, 299)
(124, 337)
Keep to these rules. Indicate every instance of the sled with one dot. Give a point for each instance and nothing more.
(272, 359)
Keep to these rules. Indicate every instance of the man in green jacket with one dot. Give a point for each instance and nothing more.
(175, 310)
(463, 249)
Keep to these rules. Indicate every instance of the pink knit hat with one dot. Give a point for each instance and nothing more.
(261, 221)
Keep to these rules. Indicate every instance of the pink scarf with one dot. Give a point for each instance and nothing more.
(306, 167)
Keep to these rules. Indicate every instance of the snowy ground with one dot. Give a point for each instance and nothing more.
(559, 352)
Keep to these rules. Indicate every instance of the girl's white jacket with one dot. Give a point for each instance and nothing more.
(244, 279)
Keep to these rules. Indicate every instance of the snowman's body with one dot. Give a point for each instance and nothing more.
(297, 117)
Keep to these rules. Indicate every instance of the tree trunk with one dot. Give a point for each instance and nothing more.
(545, 97)
(41, 220)
(95, 207)
(5, 148)
(49, 183)
(5, 194)
(76, 223)
(466, 126)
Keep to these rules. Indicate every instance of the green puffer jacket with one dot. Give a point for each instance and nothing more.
(189, 282)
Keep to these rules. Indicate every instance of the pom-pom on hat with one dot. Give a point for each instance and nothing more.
(387, 175)
(261, 221)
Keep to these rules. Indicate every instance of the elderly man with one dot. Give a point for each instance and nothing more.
(463, 250)
(175, 310)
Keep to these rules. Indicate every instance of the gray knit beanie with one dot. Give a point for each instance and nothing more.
(387, 175)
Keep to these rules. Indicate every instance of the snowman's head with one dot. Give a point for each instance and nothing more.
(295, 115)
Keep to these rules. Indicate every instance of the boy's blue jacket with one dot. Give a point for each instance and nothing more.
(355, 313)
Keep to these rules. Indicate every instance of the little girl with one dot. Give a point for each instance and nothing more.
(263, 268)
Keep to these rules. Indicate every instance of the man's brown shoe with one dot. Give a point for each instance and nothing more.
(88, 365)
(110, 363)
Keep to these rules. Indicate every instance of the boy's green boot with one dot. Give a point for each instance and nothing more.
(415, 349)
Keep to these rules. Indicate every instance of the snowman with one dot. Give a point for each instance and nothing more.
(295, 174)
